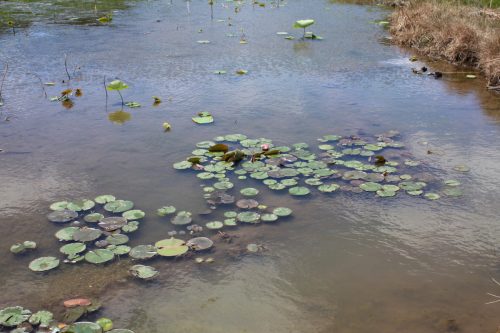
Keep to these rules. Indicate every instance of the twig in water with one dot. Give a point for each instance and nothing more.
(106, 91)
(66, 66)
(41, 83)
(3, 80)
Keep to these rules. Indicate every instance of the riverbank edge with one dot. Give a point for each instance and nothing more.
(462, 35)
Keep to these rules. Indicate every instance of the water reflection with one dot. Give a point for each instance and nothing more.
(119, 117)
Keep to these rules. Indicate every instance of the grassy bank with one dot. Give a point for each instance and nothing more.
(461, 34)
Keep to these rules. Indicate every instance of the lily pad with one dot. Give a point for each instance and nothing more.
(42, 318)
(165, 210)
(22, 247)
(249, 191)
(230, 214)
(432, 196)
(104, 199)
(282, 211)
(105, 323)
(268, 217)
(203, 118)
(370, 187)
(453, 192)
(119, 250)
(143, 252)
(328, 188)
(134, 214)
(452, 182)
(80, 205)
(84, 327)
(93, 217)
(143, 272)
(60, 205)
(303, 23)
(200, 243)
(117, 239)
(116, 85)
(249, 217)
(246, 203)
(182, 218)
(73, 248)
(86, 234)
(66, 234)
(214, 225)
(99, 256)
(171, 247)
(130, 226)
(299, 191)
(112, 223)
(13, 316)
(231, 222)
(62, 216)
(119, 206)
(183, 165)
(44, 264)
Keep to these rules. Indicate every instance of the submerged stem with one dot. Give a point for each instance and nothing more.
(119, 93)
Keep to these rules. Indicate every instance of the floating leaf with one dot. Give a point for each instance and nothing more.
(203, 118)
(165, 210)
(200, 243)
(241, 71)
(432, 196)
(370, 186)
(143, 272)
(119, 206)
(13, 316)
(143, 252)
(105, 323)
(247, 203)
(282, 211)
(214, 225)
(249, 191)
(328, 188)
(80, 205)
(203, 42)
(119, 250)
(183, 165)
(66, 234)
(299, 191)
(112, 223)
(99, 256)
(44, 264)
(218, 147)
(452, 182)
(268, 217)
(182, 218)
(83, 327)
(133, 105)
(93, 217)
(249, 217)
(22, 247)
(42, 318)
(117, 239)
(166, 127)
(60, 205)
(73, 248)
(171, 247)
(86, 234)
(62, 216)
(130, 226)
(135, 214)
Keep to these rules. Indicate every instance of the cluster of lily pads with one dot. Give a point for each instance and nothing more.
(17, 319)
(96, 238)
(356, 164)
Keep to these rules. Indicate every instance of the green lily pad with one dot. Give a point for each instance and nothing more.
(105, 323)
(412, 186)
(203, 118)
(66, 234)
(432, 196)
(327, 138)
(130, 226)
(277, 186)
(93, 217)
(183, 165)
(282, 211)
(13, 316)
(303, 23)
(143, 252)
(452, 182)
(119, 206)
(117, 239)
(247, 203)
(231, 222)
(165, 210)
(42, 318)
(86, 234)
(99, 256)
(143, 272)
(200, 243)
(224, 185)
(73, 248)
(80, 205)
(214, 225)
(171, 247)
(249, 217)
(415, 193)
(135, 214)
(289, 182)
(116, 85)
(133, 104)
(385, 193)
(119, 250)
(104, 199)
(112, 223)
(62, 216)
(453, 192)
(22, 247)
(230, 214)
(328, 188)
(268, 217)
(60, 205)
(370, 187)
(299, 191)
(205, 175)
(182, 218)
(44, 264)
(249, 191)
(84, 327)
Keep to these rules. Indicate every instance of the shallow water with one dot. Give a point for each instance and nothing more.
(344, 262)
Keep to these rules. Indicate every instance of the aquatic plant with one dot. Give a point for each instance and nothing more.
(303, 24)
(117, 86)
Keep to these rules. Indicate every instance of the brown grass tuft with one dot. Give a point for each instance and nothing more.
(460, 34)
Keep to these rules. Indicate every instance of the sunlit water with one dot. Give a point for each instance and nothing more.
(343, 263)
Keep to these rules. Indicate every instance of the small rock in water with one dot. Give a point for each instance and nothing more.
(172, 233)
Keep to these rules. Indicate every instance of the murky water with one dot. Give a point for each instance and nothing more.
(344, 263)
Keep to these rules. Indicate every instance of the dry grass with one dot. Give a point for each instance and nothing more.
(460, 34)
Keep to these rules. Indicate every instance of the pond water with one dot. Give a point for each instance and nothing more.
(344, 262)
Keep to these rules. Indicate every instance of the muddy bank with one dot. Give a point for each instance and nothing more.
(462, 35)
